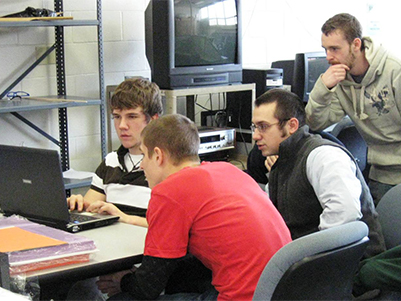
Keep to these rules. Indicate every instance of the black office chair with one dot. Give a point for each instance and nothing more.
(354, 142)
(347, 133)
(318, 266)
(328, 136)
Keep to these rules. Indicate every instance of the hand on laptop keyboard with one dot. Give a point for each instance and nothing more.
(104, 207)
(81, 203)
(76, 202)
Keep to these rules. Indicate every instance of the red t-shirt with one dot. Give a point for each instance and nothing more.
(220, 215)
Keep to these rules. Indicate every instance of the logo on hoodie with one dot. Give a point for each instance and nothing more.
(380, 100)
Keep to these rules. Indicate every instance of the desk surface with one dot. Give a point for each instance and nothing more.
(120, 247)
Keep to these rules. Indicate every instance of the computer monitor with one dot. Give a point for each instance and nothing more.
(308, 67)
(288, 70)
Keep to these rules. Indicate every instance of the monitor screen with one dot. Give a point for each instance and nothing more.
(307, 68)
(205, 32)
(316, 66)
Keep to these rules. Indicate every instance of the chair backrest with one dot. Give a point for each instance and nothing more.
(354, 142)
(389, 210)
(328, 136)
(318, 266)
(347, 133)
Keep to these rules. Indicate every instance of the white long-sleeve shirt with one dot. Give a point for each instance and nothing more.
(332, 174)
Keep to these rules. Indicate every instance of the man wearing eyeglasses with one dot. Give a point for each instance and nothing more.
(314, 183)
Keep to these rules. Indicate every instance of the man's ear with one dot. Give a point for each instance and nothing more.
(154, 116)
(293, 125)
(356, 44)
(159, 155)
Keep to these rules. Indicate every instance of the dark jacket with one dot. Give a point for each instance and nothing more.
(294, 197)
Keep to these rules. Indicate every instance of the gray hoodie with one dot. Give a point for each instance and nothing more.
(374, 105)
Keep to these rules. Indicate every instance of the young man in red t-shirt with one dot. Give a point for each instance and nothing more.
(213, 212)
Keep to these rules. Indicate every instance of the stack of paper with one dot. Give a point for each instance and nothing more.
(31, 246)
(10, 296)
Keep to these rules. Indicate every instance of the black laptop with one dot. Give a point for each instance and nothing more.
(31, 185)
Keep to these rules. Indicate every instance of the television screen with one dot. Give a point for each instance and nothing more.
(194, 42)
(205, 32)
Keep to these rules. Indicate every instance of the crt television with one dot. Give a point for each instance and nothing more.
(194, 42)
(308, 67)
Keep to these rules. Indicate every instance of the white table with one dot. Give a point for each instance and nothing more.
(120, 247)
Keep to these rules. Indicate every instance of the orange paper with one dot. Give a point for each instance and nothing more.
(17, 239)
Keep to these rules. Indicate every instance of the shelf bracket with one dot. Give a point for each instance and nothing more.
(36, 128)
(28, 70)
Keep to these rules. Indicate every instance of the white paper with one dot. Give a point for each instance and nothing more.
(10, 296)
(79, 175)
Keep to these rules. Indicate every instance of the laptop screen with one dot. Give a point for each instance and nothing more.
(31, 184)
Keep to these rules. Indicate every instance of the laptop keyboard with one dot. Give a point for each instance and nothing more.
(79, 218)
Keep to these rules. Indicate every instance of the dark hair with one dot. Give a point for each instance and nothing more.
(347, 24)
(289, 105)
(138, 92)
(175, 134)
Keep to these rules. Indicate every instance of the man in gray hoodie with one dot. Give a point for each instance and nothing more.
(363, 82)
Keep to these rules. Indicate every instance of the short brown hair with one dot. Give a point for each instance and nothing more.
(138, 92)
(175, 134)
(346, 23)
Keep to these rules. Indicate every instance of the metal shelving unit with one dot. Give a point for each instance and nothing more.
(62, 100)
(50, 23)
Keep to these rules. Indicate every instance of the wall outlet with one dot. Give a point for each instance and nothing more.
(50, 59)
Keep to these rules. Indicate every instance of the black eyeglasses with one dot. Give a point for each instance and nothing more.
(263, 127)
(16, 94)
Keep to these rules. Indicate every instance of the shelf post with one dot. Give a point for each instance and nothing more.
(102, 92)
(61, 89)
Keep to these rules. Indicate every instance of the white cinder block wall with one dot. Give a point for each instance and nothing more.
(272, 30)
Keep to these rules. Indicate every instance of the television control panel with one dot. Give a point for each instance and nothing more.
(215, 139)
